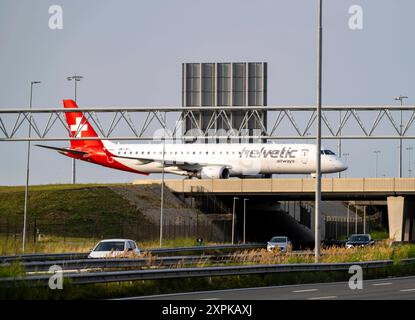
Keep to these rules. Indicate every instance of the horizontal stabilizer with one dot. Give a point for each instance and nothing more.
(75, 152)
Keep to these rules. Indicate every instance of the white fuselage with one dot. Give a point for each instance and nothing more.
(240, 159)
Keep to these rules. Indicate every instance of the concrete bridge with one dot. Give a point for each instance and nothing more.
(399, 193)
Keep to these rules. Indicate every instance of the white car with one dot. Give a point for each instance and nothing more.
(281, 242)
(114, 247)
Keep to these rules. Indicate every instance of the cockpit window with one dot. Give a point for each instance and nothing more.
(327, 152)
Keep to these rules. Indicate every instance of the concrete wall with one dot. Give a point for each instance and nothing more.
(401, 213)
(286, 185)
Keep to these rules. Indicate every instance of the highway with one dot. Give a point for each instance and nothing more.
(379, 289)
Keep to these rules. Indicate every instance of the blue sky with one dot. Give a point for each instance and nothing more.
(130, 53)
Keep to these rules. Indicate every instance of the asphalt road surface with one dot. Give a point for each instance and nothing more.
(379, 289)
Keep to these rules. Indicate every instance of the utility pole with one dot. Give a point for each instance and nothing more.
(75, 79)
(400, 98)
(318, 137)
(26, 193)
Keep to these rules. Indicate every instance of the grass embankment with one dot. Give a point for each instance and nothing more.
(71, 217)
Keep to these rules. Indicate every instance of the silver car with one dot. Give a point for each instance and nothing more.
(112, 248)
(281, 242)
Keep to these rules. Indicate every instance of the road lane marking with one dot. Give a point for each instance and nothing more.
(305, 290)
(382, 284)
(407, 290)
(210, 299)
(258, 288)
(319, 298)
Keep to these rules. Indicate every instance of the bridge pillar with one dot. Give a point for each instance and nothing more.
(401, 212)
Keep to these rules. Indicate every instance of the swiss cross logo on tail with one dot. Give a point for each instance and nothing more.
(75, 127)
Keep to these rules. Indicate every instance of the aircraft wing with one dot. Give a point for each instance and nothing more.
(186, 166)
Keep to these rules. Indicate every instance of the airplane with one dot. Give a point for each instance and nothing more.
(200, 160)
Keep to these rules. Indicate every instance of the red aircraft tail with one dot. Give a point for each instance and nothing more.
(92, 151)
(79, 127)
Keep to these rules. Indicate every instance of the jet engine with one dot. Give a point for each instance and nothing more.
(213, 172)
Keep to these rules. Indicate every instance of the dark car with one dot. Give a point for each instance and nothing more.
(359, 240)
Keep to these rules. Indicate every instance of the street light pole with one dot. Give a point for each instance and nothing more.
(26, 192)
(400, 98)
(75, 79)
(162, 186)
(364, 219)
(409, 163)
(244, 235)
(355, 221)
(318, 137)
(376, 152)
(233, 220)
(339, 145)
(348, 218)
(345, 155)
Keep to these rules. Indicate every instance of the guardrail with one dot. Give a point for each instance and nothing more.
(43, 257)
(116, 263)
(155, 251)
(119, 276)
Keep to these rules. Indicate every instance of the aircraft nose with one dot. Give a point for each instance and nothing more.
(341, 165)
